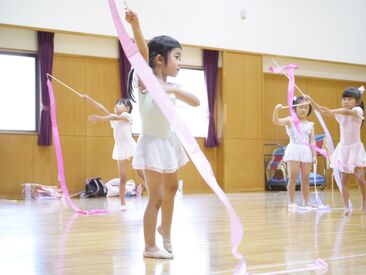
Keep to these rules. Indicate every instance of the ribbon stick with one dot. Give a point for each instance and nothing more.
(160, 97)
(60, 162)
(71, 89)
(295, 105)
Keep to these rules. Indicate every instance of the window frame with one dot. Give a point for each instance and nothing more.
(37, 90)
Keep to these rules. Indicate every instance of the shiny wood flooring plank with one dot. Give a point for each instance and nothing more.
(46, 237)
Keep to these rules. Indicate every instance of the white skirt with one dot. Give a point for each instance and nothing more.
(163, 155)
(298, 152)
(347, 157)
(126, 150)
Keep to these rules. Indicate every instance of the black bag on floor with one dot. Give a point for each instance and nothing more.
(94, 187)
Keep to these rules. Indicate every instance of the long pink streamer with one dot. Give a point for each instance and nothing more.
(291, 92)
(190, 144)
(336, 172)
(60, 162)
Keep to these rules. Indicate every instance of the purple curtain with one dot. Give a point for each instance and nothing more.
(210, 60)
(45, 59)
(125, 67)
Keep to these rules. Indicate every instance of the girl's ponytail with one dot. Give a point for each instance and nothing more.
(130, 85)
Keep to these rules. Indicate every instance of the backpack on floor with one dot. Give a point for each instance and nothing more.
(94, 187)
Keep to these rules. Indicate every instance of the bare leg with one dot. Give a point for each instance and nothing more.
(293, 168)
(140, 173)
(305, 173)
(170, 189)
(345, 194)
(122, 168)
(154, 181)
(360, 177)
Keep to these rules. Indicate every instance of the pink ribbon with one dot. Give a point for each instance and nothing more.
(160, 97)
(291, 92)
(336, 172)
(60, 162)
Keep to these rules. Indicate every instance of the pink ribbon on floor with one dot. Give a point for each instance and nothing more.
(60, 162)
(160, 97)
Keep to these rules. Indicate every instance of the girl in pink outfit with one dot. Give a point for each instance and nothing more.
(349, 157)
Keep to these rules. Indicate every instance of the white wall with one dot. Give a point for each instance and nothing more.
(26, 40)
(332, 30)
(13, 39)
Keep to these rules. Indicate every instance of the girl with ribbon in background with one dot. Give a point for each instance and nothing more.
(298, 155)
(125, 145)
(159, 152)
(349, 157)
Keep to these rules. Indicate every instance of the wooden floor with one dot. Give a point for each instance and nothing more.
(46, 237)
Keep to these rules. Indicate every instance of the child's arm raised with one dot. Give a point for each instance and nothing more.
(96, 104)
(132, 18)
(277, 120)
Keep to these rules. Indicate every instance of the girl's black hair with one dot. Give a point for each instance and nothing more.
(158, 45)
(354, 93)
(299, 100)
(126, 102)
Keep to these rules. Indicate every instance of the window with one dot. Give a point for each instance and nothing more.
(196, 118)
(18, 96)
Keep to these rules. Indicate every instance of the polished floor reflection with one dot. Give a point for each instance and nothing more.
(46, 237)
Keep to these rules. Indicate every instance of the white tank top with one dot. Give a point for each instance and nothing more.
(295, 138)
(153, 122)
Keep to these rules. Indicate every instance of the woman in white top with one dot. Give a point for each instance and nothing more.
(298, 155)
(159, 152)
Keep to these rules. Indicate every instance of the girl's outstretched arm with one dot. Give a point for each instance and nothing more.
(320, 109)
(182, 95)
(276, 118)
(96, 104)
(132, 18)
(344, 111)
(96, 118)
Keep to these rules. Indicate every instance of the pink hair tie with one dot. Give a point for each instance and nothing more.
(361, 89)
